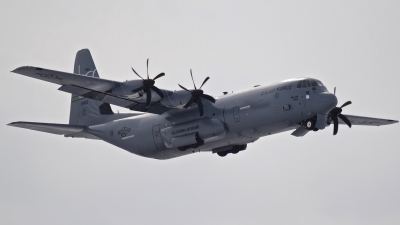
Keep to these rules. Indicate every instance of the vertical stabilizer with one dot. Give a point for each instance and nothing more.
(85, 111)
(84, 64)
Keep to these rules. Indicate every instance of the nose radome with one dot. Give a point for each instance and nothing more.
(325, 102)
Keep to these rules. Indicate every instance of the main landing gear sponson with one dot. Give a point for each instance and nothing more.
(199, 142)
(235, 149)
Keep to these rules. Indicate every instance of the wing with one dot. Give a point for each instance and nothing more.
(108, 91)
(62, 78)
(367, 121)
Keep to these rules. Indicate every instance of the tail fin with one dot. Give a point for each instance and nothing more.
(85, 111)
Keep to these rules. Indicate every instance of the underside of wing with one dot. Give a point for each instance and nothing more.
(156, 108)
(367, 121)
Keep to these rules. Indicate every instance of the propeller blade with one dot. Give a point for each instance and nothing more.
(334, 91)
(344, 118)
(148, 68)
(183, 88)
(336, 111)
(159, 75)
(158, 91)
(200, 105)
(335, 124)
(137, 73)
(148, 97)
(346, 104)
(137, 89)
(205, 80)
(193, 79)
(208, 97)
(189, 103)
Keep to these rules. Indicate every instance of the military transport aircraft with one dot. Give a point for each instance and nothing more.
(165, 124)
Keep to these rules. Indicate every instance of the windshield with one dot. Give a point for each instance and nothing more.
(309, 83)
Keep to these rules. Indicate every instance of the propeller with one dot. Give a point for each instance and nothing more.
(337, 112)
(197, 95)
(148, 85)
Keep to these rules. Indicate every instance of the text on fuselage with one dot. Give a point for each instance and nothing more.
(184, 130)
(283, 88)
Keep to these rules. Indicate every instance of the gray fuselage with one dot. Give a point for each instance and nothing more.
(235, 119)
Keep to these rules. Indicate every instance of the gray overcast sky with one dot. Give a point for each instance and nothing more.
(352, 178)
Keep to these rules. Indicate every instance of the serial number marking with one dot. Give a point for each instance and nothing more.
(84, 102)
(49, 76)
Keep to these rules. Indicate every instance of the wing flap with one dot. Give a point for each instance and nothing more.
(156, 108)
(97, 95)
(367, 121)
(73, 90)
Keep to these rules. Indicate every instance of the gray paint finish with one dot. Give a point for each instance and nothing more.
(351, 178)
(233, 120)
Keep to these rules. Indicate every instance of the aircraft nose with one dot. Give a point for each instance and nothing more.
(325, 102)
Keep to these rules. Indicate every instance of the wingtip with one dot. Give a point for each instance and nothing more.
(392, 121)
(19, 68)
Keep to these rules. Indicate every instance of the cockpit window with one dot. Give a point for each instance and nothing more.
(303, 84)
(307, 83)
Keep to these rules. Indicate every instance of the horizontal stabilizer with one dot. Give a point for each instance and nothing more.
(367, 121)
(52, 128)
